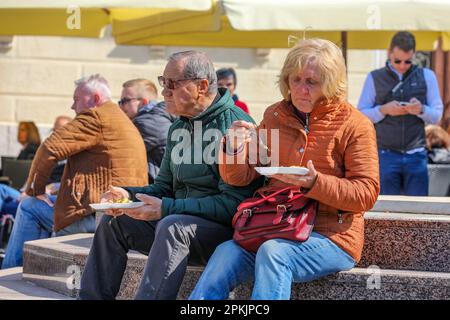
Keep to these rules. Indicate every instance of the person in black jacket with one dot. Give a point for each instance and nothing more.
(138, 101)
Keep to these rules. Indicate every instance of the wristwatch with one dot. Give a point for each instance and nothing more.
(423, 109)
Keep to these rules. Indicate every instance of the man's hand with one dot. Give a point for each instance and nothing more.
(149, 212)
(415, 107)
(44, 197)
(307, 181)
(393, 108)
(22, 196)
(114, 194)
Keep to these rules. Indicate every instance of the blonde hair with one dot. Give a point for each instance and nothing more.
(330, 63)
(436, 137)
(33, 136)
(143, 85)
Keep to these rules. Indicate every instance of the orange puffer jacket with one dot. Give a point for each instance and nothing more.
(341, 142)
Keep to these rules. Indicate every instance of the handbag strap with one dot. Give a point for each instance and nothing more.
(264, 198)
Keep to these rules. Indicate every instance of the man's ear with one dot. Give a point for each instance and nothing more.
(203, 87)
(96, 98)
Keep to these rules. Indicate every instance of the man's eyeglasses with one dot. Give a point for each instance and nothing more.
(171, 83)
(398, 61)
(125, 100)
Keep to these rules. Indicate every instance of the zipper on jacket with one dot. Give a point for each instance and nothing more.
(340, 221)
(307, 124)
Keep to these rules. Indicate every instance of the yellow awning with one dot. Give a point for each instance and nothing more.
(235, 23)
(256, 24)
(57, 17)
(53, 22)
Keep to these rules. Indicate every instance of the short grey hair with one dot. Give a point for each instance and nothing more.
(197, 65)
(96, 83)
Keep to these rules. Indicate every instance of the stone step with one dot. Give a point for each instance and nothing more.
(14, 287)
(57, 264)
(407, 241)
(409, 249)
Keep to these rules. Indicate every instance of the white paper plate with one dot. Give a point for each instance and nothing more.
(107, 206)
(268, 171)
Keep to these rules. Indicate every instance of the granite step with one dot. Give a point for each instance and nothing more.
(57, 264)
(407, 241)
(407, 249)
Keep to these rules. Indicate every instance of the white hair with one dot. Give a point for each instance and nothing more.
(197, 65)
(96, 84)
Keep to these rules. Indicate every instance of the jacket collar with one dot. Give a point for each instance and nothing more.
(289, 117)
(218, 106)
(148, 107)
(390, 69)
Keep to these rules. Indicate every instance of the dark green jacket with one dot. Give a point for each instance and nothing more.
(195, 187)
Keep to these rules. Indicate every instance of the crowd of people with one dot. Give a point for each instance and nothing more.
(130, 151)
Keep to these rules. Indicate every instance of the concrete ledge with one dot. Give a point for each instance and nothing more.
(422, 205)
(13, 287)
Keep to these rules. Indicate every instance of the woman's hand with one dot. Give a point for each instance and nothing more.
(239, 133)
(307, 181)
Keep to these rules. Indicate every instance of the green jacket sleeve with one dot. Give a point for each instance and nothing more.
(163, 182)
(219, 208)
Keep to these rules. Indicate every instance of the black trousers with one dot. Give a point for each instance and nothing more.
(170, 243)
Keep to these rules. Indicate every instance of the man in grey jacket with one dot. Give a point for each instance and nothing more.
(139, 103)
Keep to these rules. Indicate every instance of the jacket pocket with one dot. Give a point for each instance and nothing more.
(78, 189)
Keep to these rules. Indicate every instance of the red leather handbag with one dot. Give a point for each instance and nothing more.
(285, 213)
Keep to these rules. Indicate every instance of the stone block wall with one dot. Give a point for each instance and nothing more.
(37, 76)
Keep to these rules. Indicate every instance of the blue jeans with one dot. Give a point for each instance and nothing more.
(34, 220)
(403, 174)
(8, 199)
(273, 268)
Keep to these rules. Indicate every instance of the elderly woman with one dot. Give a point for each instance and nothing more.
(318, 129)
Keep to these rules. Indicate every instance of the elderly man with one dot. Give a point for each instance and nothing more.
(188, 210)
(139, 103)
(102, 148)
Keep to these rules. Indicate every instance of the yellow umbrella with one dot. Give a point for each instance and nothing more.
(272, 23)
(78, 18)
(232, 23)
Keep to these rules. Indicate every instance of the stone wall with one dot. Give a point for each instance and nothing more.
(37, 75)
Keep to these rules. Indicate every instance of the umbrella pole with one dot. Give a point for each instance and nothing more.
(344, 45)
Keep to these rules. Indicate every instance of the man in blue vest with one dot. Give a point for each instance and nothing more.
(400, 99)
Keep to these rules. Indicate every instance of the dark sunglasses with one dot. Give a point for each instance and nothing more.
(124, 101)
(398, 61)
(171, 83)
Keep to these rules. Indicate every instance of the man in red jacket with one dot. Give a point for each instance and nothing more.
(226, 78)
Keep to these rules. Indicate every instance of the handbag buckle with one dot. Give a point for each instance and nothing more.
(281, 207)
(248, 212)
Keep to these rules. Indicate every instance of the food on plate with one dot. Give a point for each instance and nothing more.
(124, 200)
